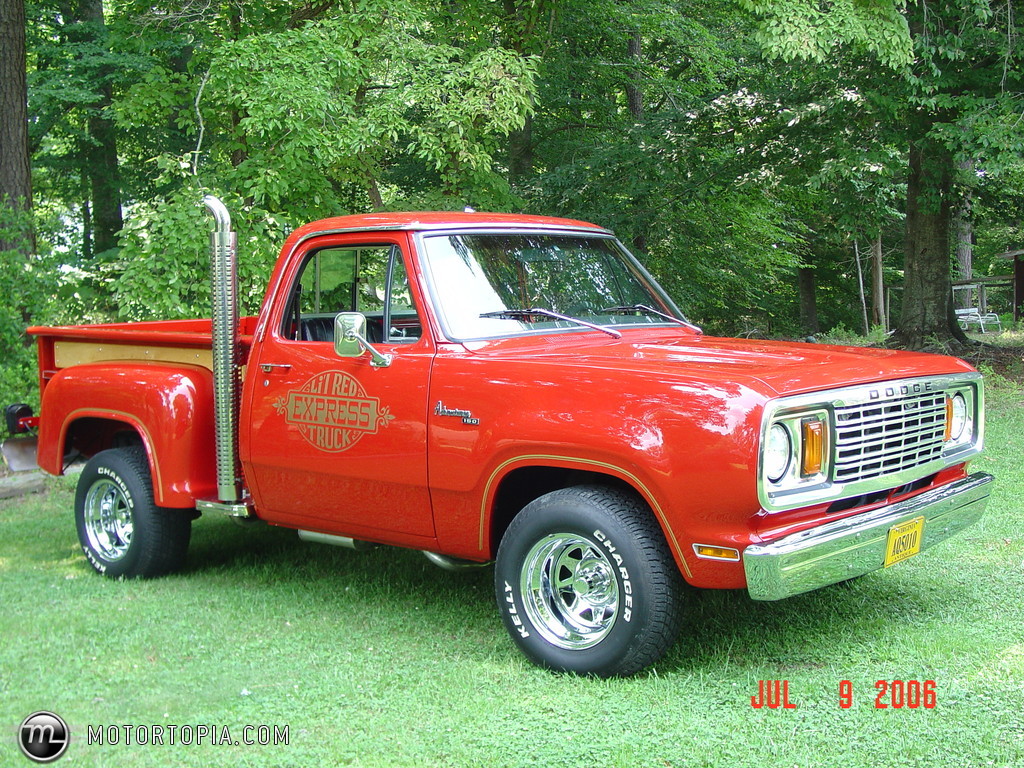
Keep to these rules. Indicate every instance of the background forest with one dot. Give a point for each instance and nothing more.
(776, 163)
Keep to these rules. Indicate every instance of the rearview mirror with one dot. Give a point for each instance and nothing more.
(348, 328)
(350, 339)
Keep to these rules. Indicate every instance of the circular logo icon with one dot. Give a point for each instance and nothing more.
(43, 737)
(333, 411)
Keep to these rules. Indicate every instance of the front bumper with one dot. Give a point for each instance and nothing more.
(855, 545)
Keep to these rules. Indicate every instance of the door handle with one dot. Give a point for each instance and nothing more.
(271, 367)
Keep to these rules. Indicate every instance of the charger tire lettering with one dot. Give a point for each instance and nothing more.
(627, 586)
(122, 531)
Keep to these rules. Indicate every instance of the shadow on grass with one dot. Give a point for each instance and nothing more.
(274, 563)
(721, 627)
(221, 546)
(829, 626)
(406, 594)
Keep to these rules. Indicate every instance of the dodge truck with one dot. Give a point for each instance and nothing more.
(517, 390)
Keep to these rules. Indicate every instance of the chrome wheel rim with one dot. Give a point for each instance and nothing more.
(108, 520)
(570, 593)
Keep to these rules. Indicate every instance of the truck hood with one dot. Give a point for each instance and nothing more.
(781, 368)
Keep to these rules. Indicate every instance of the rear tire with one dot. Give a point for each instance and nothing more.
(122, 531)
(586, 583)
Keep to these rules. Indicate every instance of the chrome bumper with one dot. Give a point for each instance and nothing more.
(855, 545)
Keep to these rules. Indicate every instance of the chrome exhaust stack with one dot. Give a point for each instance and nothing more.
(223, 253)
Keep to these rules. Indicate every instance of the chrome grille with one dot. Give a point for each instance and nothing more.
(886, 436)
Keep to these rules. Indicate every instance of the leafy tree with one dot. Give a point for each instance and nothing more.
(294, 112)
(963, 101)
(75, 73)
(957, 96)
(643, 118)
(16, 240)
(745, 181)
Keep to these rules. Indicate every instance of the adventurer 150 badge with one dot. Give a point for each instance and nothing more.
(332, 411)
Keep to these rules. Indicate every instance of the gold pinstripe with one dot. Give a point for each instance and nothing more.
(134, 421)
(659, 513)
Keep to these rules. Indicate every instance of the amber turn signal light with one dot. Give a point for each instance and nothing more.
(949, 419)
(813, 448)
(716, 553)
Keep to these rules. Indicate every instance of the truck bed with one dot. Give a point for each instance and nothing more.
(173, 341)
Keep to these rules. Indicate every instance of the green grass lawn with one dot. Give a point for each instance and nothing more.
(380, 659)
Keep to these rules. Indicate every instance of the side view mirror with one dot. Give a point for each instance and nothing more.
(350, 339)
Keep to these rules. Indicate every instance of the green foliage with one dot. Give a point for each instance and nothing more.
(464, 111)
(725, 168)
(681, 181)
(291, 113)
(294, 119)
(23, 293)
(999, 218)
(841, 335)
(734, 253)
(956, 99)
(163, 270)
(813, 31)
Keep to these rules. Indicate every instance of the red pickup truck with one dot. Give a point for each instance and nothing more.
(515, 389)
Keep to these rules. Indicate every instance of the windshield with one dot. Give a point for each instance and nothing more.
(579, 276)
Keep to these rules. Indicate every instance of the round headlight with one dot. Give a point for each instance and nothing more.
(778, 451)
(957, 418)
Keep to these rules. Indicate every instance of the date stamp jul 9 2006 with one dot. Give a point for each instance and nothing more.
(889, 694)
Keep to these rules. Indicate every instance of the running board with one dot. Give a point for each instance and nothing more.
(231, 509)
(338, 541)
(448, 563)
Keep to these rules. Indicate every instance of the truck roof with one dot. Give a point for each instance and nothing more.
(440, 220)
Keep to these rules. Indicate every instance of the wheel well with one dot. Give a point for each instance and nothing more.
(91, 435)
(521, 486)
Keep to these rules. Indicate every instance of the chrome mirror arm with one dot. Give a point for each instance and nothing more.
(378, 359)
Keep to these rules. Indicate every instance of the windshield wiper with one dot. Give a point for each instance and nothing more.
(632, 308)
(523, 314)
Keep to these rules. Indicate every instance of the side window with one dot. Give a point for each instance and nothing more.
(404, 323)
(327, 282)
(334, 280)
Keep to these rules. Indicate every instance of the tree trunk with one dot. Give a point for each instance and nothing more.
(104, 177)
(634, 96)
(860, 289)
(520, 151)
(877, 284)
(15, 163)
(963, 229)
(101, 166)
(520, 23)
(927, 319)
(808, 300)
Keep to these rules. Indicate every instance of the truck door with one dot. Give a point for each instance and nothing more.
(337, 444)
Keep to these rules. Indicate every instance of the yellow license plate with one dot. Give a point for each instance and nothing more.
(904, 541)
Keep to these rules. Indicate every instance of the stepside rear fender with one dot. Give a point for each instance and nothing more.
(168, 406)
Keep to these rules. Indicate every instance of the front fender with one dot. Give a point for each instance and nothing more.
(169, 406)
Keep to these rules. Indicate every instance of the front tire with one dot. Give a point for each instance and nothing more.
(122, 531)
(586, 583)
